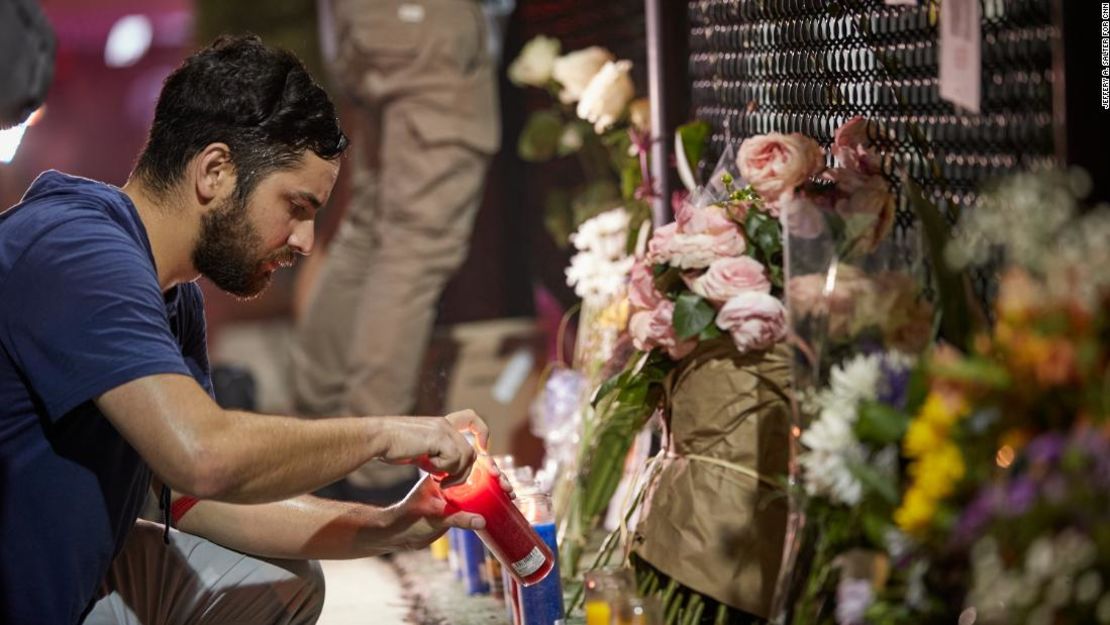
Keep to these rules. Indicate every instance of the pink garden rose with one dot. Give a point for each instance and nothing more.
(801, 216)
(866, 205)
(727, 277)
(775, 163)
(810, 295)
(697, 251)
(655, 328)
(755, 320)
(853, 149)
(659, 246)
(642, 294)
(696, 238)
(711, 220)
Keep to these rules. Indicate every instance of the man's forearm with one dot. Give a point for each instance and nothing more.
(304, 527)
(268, 458)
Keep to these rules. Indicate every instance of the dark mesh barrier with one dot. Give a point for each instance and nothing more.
(808, 65)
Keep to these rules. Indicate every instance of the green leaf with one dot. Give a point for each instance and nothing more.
(974, 370)
(540, 138)
(694, 136)
(618, 144)
(631, 178)
(610, 385)
(577, 132)
(691, 315)
(880, 424)
(874, 482)
(958, 310)
(875, 527)
(557, 216)
(710, 332)
(593, 199)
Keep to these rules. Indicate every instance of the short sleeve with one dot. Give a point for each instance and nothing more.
(193, 335)
(84, 314)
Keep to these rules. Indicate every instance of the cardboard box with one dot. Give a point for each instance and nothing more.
(494, 368)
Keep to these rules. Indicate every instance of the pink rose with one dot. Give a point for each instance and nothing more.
(697, 251)
(655, 328)
(896, 306)
(659, 246)
(641, 287)
(810, 295)
(775, 163)
(731, 276)
(712, 220)
(801, 217)
(755, 320)
(853, 148)
(867, 206)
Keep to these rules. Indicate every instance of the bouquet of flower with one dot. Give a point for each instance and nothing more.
(983, 499)
(713, 282)
(596, 117)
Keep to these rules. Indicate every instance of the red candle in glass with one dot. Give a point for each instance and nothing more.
(507, 533)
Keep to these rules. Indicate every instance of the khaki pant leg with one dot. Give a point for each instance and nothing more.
(322, 341)
(430, 194)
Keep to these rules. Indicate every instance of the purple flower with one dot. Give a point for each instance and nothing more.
(1046, 448)
(893, 382)
(1020, 496)
(978, 514)
(853, 597)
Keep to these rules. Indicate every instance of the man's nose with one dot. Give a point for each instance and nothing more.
(302, 237)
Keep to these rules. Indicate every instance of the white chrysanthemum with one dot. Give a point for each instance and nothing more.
(595, 277)
(600, 269)
(830, 441)
(605, 235)
(857, 379)
(832, 447)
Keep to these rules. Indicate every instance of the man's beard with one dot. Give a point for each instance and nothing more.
(228, 252)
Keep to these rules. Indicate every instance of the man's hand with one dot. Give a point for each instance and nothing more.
(435, 444)
(421, 517)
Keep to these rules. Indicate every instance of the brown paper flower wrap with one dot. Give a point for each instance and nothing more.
(715, 514)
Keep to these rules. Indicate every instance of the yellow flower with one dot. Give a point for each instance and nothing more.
(938, 471)
(615, 315)
(942, 410)
(916, 511)
(922, 438)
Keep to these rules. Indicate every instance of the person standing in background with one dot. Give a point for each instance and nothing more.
(421, 76)
(27, 49)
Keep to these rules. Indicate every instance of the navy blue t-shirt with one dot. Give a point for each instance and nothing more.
(81, 313)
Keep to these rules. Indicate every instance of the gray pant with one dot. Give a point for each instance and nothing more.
(197, 582)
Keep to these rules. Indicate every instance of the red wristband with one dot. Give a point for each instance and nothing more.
(181, 506)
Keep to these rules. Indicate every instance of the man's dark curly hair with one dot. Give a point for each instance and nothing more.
(258, 100)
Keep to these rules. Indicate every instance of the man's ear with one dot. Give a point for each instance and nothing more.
(213, 173)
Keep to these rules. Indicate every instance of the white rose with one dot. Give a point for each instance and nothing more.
(575, 70)
(533, 66)
(607, 95)
(639, 113)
